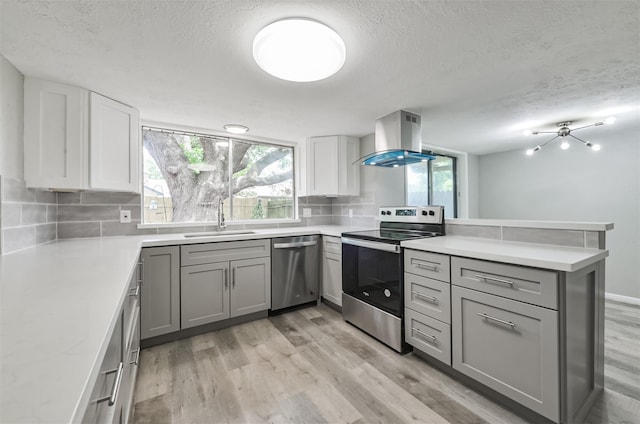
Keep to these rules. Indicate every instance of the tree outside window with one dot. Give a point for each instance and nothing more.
(187, 175)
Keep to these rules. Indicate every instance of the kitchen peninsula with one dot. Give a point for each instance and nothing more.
(60, 303)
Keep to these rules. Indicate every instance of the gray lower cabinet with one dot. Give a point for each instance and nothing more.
(250, 286)
(332, 269)
(214, 288)
(510, 346)
(204, 294)
(160, 297)
(102, 406)
(111, 399)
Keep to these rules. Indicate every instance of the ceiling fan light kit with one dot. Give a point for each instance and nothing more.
(564, 132)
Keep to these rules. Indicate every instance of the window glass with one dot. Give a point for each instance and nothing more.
(187, 175)
(433, 183)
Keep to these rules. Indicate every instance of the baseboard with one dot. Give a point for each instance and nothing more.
(623, 299)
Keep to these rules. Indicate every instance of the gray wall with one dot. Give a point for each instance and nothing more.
(574, 185)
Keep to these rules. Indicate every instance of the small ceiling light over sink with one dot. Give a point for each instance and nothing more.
(236, 128)
(299, 50)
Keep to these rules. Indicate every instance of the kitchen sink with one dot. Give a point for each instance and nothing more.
(217, 233)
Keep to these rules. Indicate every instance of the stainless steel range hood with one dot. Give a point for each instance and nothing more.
(397, 141)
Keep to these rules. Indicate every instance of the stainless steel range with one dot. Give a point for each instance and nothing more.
(373, 270)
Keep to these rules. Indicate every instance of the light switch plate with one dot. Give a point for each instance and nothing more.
(306, 212)
(125, 217)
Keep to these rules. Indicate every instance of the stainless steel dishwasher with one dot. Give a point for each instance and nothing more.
(294, 271)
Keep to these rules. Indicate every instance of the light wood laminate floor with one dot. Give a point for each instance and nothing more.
(309, 366)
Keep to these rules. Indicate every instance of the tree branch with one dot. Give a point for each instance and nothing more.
(247, 181)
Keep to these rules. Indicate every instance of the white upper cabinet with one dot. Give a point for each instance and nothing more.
(330, 168)
(113, 137)
(56, 128)
(78, 140)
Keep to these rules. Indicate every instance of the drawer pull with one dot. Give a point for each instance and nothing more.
(435, 268)
(424, 296)
(497, 280)
(501, 321)
(423, 334)
(135, 292)
(116, 386)
(137, 360)
(141, 265)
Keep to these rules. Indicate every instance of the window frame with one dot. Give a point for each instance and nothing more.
(187, 131)
(429, 164)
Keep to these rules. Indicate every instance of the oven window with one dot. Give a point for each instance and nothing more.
(373, 276)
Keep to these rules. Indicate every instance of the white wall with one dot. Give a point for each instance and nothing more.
(574, 185)
(11, 120)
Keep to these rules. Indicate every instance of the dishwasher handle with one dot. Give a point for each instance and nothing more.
(294, 245)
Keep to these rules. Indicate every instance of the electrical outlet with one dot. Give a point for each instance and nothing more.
(350, 213)
(306, 212)
(125, 217)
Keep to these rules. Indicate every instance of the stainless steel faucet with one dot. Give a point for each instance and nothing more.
(221, 224)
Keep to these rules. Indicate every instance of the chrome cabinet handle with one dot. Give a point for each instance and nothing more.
(497, 280)
(116, 386)
(498, 320)
(424, 296)
(137, 360)
(141, 265)
(233, 278)
(226, 278)
(423, 334)
(294, 245)
(135, 292)
(428, 267)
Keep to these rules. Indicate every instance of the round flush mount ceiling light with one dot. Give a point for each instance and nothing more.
(236, 128)
(299, 50)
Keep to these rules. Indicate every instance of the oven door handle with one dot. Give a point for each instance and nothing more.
(393, 248)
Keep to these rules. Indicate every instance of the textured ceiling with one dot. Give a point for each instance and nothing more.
(478, 72)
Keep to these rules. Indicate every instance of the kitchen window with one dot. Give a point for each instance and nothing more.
(186, 175)
(434, 183)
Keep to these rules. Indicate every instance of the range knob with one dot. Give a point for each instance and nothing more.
(388, 212)
(425, 213)
(432, 213)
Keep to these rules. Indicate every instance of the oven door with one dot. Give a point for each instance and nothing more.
(372, 272)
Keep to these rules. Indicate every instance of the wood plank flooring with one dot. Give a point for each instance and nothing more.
(309, 366)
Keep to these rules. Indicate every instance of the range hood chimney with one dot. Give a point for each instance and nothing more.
(397, 141)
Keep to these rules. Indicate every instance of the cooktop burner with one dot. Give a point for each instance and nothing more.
(404, 223)
(389, 236)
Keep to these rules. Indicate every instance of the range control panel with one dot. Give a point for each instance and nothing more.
(421, 214)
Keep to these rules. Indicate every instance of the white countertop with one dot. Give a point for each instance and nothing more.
(523, 223)
(557, 258)
(59, 303)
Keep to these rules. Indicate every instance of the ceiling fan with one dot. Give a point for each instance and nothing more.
(564, 131)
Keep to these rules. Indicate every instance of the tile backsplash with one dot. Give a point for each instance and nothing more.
(28, 216)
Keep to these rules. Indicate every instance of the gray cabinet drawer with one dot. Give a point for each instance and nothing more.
(206, 253)
(332, 244)
(131, 301)
(99, 410)
(530, 285)
(426, 264)
(427, 296)
(509, 346)
(428, 335)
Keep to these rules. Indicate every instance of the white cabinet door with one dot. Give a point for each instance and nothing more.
(330, 168)
(332, 278)
(114, 145)
(204, 294)
(322, 166)
(250, 286)
(55, 134)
